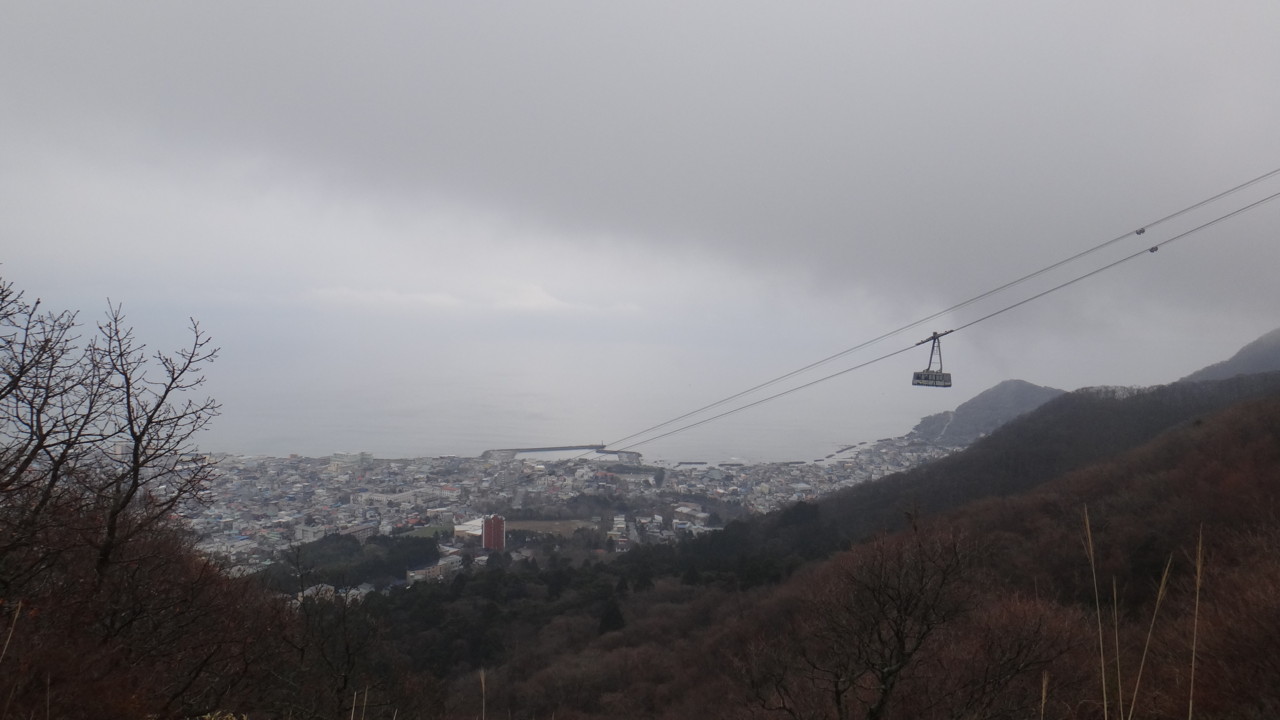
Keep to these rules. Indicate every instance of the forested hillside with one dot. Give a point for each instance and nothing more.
(984, 611)
(1067, 433)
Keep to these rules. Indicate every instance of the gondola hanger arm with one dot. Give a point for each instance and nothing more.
(934, 337)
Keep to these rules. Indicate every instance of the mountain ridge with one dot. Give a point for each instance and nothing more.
(1008, 400)
(982, 413)
(1261, 355)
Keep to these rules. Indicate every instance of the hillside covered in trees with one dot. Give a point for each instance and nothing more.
(1112, 552)
(964, 611)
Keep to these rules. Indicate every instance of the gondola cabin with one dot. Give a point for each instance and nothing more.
(931, 378)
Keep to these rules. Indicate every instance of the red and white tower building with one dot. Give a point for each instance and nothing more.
(494, 533)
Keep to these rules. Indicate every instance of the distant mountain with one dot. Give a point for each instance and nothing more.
(1066, 434)
(1261, 355)
(983, 413)
(1011, 399)
(1069, 432)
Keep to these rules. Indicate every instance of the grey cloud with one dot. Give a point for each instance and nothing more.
(706, 177)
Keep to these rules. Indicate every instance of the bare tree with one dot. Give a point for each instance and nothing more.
(47, 408)
(151, 463)
(96, 435)
(879, 610)
(841, 650)
(901, 627)
(100, 587)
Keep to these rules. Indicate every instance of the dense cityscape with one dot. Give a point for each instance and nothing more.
(258, 507)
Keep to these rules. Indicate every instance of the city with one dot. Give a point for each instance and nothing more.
(258, 507)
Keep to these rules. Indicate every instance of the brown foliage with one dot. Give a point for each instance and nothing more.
(900, 627)
(108, 611)
(164, 633)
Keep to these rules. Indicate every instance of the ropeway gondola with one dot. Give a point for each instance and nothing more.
(930, 377)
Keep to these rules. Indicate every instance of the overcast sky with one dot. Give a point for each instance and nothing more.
(420, 228)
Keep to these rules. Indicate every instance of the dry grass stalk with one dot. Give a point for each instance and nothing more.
(1195, 624)
(1115, 628)
(16, 612)
(1164, 583)
(1097, 604)
(1044, 692)
(14, 688)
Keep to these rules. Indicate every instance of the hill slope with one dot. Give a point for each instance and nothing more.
(1065, 434)
(1074, 430)
(983, 413)
(996, 597)
(1261, 355)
